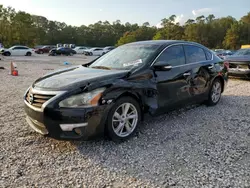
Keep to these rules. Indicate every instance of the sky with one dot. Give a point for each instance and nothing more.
(85, 12)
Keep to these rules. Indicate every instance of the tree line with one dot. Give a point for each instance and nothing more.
(26, 29)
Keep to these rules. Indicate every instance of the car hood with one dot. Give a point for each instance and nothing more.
(65, 79)
(238, 58)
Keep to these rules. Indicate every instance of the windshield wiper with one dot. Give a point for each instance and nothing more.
(101, 67)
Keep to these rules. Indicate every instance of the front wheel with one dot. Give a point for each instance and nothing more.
(7, 53)
(215, 93)
(123, 119)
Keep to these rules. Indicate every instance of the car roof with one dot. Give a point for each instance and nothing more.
(19, 46)
(166, 42)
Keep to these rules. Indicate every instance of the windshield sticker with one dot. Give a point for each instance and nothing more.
(133, 63)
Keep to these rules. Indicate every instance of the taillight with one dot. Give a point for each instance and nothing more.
(226, 64)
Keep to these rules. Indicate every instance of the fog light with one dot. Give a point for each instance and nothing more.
(78, 131)
(70, 127)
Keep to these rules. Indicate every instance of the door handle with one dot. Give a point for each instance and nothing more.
(187, 74)
(210, 67)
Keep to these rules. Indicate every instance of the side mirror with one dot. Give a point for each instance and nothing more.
(162, 66)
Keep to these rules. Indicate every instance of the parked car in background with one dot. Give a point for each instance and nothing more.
(18, 51)
(239, 63)
(108, 49)
(80, 49)
(111, 94)
(44, 49)
(224, 54)
(94, 52)
(62, 51)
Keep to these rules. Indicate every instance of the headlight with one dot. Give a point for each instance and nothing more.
(84, 99)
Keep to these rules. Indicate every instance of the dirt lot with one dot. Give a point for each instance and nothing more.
(192, 147)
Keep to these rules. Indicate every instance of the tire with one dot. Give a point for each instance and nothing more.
(215, 92)
(71, 54)
(90, 53)
(41, 52)
(117, 128)
(7, 53)
(28, 54)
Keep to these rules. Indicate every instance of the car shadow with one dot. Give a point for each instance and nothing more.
(170, 146)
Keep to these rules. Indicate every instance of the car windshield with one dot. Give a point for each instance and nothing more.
(126, 56)
(242, 52)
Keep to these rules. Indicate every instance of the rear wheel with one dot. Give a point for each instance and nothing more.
(90, 53)
(215, 92)
(28, 54)
(123, 119)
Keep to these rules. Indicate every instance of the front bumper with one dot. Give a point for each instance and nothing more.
(70, 123)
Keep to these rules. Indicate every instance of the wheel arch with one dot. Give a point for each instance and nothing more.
(137, 97)
(221, 80)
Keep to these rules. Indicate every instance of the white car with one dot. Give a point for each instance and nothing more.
(108, 49)
(80, 49)
(94, 52)
(18, 51)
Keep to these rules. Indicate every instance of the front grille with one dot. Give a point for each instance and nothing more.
(37, 100)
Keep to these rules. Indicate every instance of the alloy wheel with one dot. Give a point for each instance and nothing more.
(125, 119)
(216, 92)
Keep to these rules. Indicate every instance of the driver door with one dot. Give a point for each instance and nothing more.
(173, 84)
(15, 51)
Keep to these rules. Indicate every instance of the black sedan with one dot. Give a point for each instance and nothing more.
(111, 94)
(62, 51)
(239, 63)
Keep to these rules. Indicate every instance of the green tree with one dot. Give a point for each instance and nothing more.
(126, 38)
(18, 27)
(231, 40)
(170, 30)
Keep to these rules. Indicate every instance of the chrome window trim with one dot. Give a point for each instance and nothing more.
(185, 55)
(35, 91)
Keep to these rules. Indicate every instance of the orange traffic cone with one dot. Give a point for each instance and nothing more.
(13, 69)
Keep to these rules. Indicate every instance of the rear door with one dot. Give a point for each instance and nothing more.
(199, 61)
(97, 51)
(173, 85)
(23, 50)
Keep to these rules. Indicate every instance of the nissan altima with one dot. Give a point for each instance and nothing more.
(110, 95)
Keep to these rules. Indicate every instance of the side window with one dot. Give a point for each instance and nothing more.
(194, 54)
(23, 48)
(173, 56)
(209, 55)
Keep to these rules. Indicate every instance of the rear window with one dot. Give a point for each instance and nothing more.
(209, 55)
(194, 54)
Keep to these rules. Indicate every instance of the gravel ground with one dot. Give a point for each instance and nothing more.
(192, 147)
